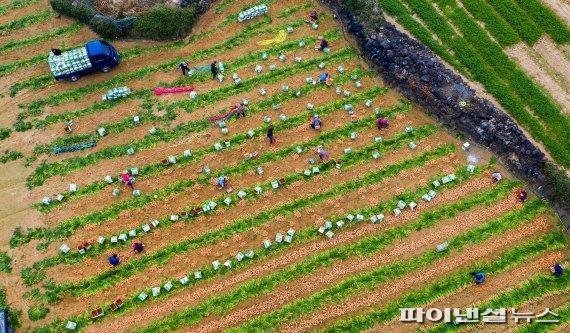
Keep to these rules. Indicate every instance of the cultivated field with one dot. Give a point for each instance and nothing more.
(374, 259)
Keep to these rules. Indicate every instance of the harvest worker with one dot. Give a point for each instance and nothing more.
(114, 260)
(322, 44)
(238, 109)
(496, 176)
(325, 78)
(522, 195)
(214, 69)
(270, 134)
(222, 182)
(479, 277)
(184, 67)
(313, 16)
(138, 247)
(69, 126)
(127, 179)
(316, 122)
(382, 123)
(56, 51)
(323, 154)
(557, 269)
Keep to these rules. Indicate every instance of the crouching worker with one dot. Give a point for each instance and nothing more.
(522, 195)
(138, 247)
(127, 179)
(222, 182)
(557, 269)
(496, 176)
(322, 44)
(316, 122)
(479, 277)
(114, 260)
(325, 78)
(313, 16)
(238, 109)
(323, 154)
(382, 123)
(184, 67)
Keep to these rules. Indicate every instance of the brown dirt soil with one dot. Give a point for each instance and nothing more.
(201, 257)
(520, 53)
(18, 13)
(413, 245)
(161, 237)
(296, 253)
(200, 140)
(379, 296)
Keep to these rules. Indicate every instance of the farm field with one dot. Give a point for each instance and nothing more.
(518, 51)
(296, 244)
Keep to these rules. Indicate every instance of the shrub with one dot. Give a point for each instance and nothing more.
(106, 28)
(37, 312)
(5, 262)
(4, 133)
(80, 11)
(163, 22)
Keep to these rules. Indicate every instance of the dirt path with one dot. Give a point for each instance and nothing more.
(172, 234)
(295, 254)
(550, 53)
(379, 296)
(520, 53)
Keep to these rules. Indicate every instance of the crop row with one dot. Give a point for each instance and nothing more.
(109, 278)
(307, 235)
(197, 126)
(35, 108)
(25, 21)
(452, 283)
(65, 229)
(533, 288)
(371, 279)
(367, 246)
(45, 171)
(547, 20)
(33, 274)
(59, 32)
(15, 4)
(500, 29)
(350, 160)
(238, 63)
(473, 62)
(518, 20)
(538, 327)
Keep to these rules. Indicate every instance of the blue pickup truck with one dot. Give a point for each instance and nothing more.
(96, 55)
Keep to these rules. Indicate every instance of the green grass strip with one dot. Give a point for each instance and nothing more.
(255, 288)
(111, 277)
(529, 31)
(47, 170)
(451, 283)
(382, 274)
(59, 32)
(25, 21)
(192, 127)
(307, 235)
(15, 4)
(67, 228)
(547, 20)
(494, 23)
(533, 288)
(359, 157)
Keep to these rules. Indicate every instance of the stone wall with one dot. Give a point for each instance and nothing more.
(419, 74)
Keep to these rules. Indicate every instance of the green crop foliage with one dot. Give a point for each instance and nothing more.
(109, 278)
(533, 288)
(306, 235)
(369, 280)
(45, 171)
(497, 26)
(365, 247)
(4, 133)
(354, 159)
(37, 312)
(25, 21)
(547, 20)
(471, 61)
(10, 155)
(15, 4)
(59, 32)
(5, 262)
(518, 19)
(451, 283)
(563, 312)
